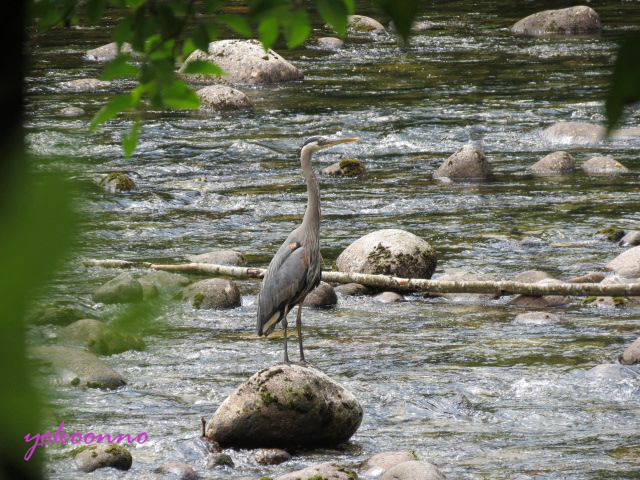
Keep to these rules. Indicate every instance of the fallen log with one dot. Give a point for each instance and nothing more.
(500, 287)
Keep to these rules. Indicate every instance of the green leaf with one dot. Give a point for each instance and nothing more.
(296, 28)
(130, 141)
(351, 6)
(123, 31)
(136, 4)
(179, 95)
(201, 38)
(203, 67)
(119, 68)
(95, 9)
(188, 47)
(624, 88)
(236, 23)
(117, 104)
(334, 12)
(402, 13)
(268, 30)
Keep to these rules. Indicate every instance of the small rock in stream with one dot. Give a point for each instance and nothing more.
(413, 470)
(378, 464)
(577, 20)
(631, 354)
(389, 297)
(546, 301)
(219, 257)
(271, 456)
(122, 289)
(84, 85)
(213, 293)
(362, 24)
(71, 112)
(531, 276)
(323, 471)
(611, 233)
(177, 471)
(103, 455)
(100, 338)
(627, 264)
(222, 97)
(603, 165)
(352, 289)
(162, 283)
(115, 182)
(108, 52)
(573, 133)
(347, 167)
(630, 239)
(321, 296)
(536, 318)
(468, 163)
(611, 371)
(329, 43)
(464, 276)
(219, 459)
(556, 163)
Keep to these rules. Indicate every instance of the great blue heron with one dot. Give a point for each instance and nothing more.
(296, 268)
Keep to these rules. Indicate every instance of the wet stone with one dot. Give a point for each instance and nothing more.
(219, 257)
(162, 283)
(177, 471)
(573, 133)
(389, 297)
(271, 456)
(347, 167)
(84, 85)
(352, 289)
(213, 293)
(468, 163)
(413, 470)
(630, 239)
(107, 52)
(378, 464)
(100, 338)
(531, 276)
(556, 163)
(546, 301)
(611, 233)
(330, 43)
(536, 318)
(564, 21)
(604, 165)
(324, 471)
(71, 112)
(114, 182)
(627, 264)
(122, 289)
(631, 354)
(219, 459)
(222, 97)
(321, 296)
(102, 456)
(363, 24)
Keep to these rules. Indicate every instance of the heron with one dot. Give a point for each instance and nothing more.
(296, 268)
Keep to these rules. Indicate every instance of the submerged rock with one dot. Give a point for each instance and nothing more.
(177, 471)
(103, 455)
(627, 264)
(321, 296)
(215, 293)
(630, 239)
(464, 276)
(162, 283)
(221, 97)
(352, 289)
(122, 289)
(219, 459)
(271, 456)
(468, 163)
(330, 43)
(390, 252)
(604, 165)
(611, 233)
(323, 471)
(378, 464)
(219, 257)
(71, 112)
(389, 297)
(362, 24)
(245, 62)
(610, 371)
(107, 52)
(413, 470)
(84, 85)
(100, 338)
(573, 132)
(631, 354)
(545, 301)
(346, 167)
(286, 406)
(78, 367)
(556, 163)
(536, 318)
(565, 21)
(116, 182)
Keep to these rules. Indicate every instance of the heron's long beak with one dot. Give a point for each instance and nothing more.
(333, 143)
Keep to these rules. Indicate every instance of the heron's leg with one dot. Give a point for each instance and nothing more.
(299, 327)
(284, 325)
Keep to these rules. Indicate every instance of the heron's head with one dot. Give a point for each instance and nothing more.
(319, 143)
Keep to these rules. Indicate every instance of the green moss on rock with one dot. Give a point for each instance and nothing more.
(351, 167)
(611, 233)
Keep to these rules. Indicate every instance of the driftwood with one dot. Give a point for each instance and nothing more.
(501, 287)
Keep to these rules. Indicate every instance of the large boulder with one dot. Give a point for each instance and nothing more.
(413, 470)
(468, 163)
(78, 367)
(378, 464)
(122, 289)
(103, 455)
(246, 62)
(573, 133)
(390, 252)
(556, 163)
(107, 52)
(84, 85)
(630, 239)
(362, 24)
(216, 293)
(603, 165)
(322, 296)
(565, 21)
(323, 471)
(222, 97)
(99, 337)
(627, 264)
(286, 406)
(219, 257)
(631, 354)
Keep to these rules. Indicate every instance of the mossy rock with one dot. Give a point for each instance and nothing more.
(58, 314)
(611, 233)
(104, 455)
(114, 182)
(100, 338)
(347, 167)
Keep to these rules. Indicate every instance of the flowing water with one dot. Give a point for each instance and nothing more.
(460, 384)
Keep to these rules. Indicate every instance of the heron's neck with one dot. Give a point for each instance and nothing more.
(312, 214)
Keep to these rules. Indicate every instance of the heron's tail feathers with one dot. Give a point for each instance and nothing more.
(265, 328)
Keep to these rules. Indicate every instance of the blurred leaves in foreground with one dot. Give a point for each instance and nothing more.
(624, 89)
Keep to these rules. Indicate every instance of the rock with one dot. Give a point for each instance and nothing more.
(246, 62)
(413, 470)
(221, 97)
(352, 289)
(536, 318)
(116, 182)
(611, 233)
(84, 85)
(610, 371)
(271, 456)
(631, 354)
(323, 471)
(625, 133)
(591, 277)
(177, 471)
(71, 112)
(573, 133)
(286, 406)
(219, 459)
(219, 257)
(464, 276)
(565, 21)
(545, 301)
(78, 367)
(58, 314)
(389, 297)
(321, 296)
(216, 293)
(362, 24)
(607, 302)
(121, 289)
(531, 276)
(630, 239)
(380, 463)
(603, 165)
(468, 163)
(107, 52)
(346, 167)
(162, 283)
(627, 264)
(390, 252)
(103, 455)
(100, 338)
(556, 163)
(330, 43)
(422, 26)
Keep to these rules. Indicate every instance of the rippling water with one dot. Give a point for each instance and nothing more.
(460, 384)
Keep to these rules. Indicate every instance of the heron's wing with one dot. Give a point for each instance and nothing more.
(285, 279)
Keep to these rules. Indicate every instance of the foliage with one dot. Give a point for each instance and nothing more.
(625, 84)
